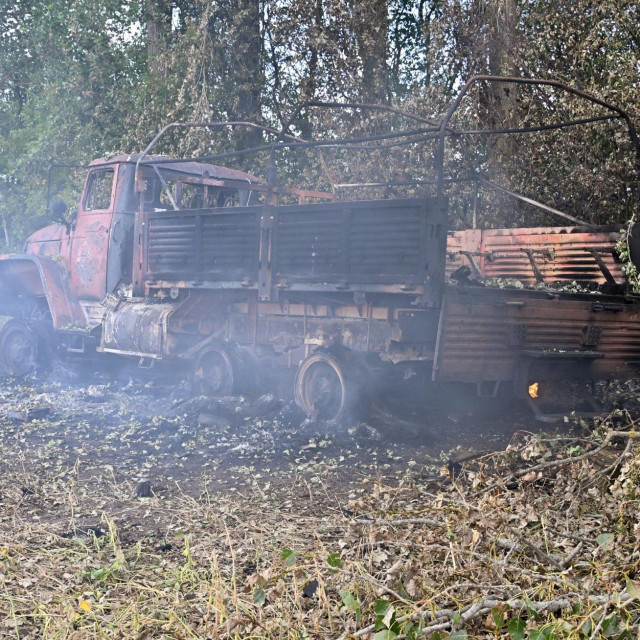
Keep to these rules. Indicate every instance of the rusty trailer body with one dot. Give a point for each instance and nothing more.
(538, 255)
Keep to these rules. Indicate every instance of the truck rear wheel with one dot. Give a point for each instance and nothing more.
(213, 374)
(18, 349)
(323, 388)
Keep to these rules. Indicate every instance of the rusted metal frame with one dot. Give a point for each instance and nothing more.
(535, 203)
(444, 125)
(209, 182)
(537, 128)
(347, 143)
(171, 125)
(267, 224)
(166, 189)
(353, 105)
(346, 244)
(536, 270)
(474, 219)
(140, 251)
(198, 247)
(400, 183)
(596, 253)
(305, 194)
(471, 257)
(369, 322)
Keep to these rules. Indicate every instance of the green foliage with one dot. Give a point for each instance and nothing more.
(82, 79)
(289, 557)
(352, 603)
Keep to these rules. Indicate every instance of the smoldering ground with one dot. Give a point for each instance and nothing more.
(130, 509)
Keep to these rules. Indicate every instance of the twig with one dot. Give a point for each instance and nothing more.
(537, 551)
(612, 466)
(570, 536)
(599, 625)
(583, 456)
(569, 559)
(376, 584)
(401, 523)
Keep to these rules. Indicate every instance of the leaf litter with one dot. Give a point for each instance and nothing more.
(131, 511)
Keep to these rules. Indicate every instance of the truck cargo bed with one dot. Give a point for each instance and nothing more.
(388, 246)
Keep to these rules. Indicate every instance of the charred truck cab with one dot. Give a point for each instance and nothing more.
(186, 261)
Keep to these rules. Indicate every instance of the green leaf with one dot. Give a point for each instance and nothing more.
(385, 614)
(605, 541)
(289, 557)
(380, 607)
(633, 588)
(100, 574)
(259, 597)
(542, 634)
(349, 601)
(457, 618)
(516, 628)
(611, 625)
(498, 617)
(389, 617)
(333, 560)
(460, 634)
(385, 634)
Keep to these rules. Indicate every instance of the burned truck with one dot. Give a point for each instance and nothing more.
(175, 261)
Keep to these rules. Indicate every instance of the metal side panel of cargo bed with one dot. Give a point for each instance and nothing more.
(548, 254)
(388, 246)
(484, 333)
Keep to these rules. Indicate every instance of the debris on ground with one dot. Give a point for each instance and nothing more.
(273, 527)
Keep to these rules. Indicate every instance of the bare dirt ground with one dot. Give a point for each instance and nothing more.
(128, 510)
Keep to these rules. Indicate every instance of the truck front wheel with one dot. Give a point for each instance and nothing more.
(18, 349)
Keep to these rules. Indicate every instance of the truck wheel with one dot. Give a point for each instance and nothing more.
(18, 349)
(213, 374)
(248, 378)
(322, 387)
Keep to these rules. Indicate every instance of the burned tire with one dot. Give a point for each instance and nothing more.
(18, 349)
(226, 369)
(248, 376)
(324, 387)
(213, 373)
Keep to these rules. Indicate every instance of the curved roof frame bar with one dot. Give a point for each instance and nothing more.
(444, 124)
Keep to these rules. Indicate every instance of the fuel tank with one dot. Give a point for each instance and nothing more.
(136, 329)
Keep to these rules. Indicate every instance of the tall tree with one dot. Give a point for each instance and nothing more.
(370, 25)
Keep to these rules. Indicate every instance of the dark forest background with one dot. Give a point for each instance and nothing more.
(80, 79)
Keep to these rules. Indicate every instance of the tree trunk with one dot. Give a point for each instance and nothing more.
(371, 25)
(247, 70)
(158, 19)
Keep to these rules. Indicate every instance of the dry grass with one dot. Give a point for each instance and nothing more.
(540, 540)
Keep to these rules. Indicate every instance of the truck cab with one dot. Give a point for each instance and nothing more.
(53, 292)
(95, 252)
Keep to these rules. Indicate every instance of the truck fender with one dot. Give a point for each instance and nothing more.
(40, 276)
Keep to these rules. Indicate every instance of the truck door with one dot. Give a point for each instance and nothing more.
(90, 240)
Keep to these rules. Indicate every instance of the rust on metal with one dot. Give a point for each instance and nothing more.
(186, 260)
(475, 325)
(541, 254)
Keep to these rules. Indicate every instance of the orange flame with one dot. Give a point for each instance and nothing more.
(533, 390)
